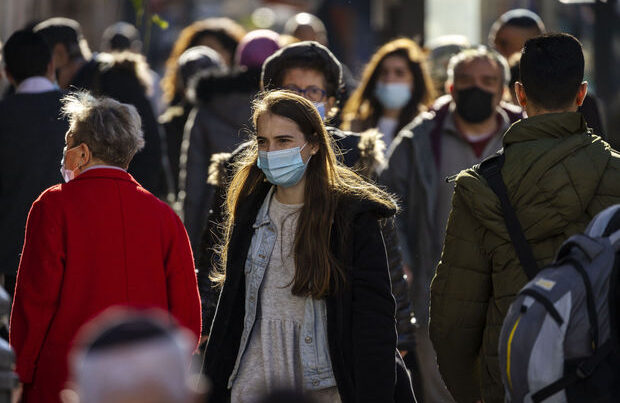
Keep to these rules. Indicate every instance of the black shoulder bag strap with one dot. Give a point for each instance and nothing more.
(491, 170)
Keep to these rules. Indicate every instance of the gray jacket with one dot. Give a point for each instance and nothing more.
(416, 178)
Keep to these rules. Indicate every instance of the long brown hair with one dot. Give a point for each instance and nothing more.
(363, 105)
(317, 271)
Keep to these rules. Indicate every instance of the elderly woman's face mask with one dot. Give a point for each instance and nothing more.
(67, 174)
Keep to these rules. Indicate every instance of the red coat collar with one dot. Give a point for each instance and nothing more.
(107, 173)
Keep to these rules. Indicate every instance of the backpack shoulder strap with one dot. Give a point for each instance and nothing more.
(491, 170)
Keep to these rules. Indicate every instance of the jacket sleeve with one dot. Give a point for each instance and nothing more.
(373, 324)
(39, 281)
(193, 176)
(460, 293)
(207, 259)
(396, 178)
(183, 298)
(405, 320)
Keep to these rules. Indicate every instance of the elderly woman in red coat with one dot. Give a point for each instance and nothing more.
(96, 241)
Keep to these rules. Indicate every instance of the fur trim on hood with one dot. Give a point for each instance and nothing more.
(371, 148)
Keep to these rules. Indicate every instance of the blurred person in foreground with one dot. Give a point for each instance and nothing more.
(32, 136)
(558, 175)
(96, 241)
(130, 356)
(435, 145)
(123, 76)
(218, 123)
(508, 35)
(395, 87)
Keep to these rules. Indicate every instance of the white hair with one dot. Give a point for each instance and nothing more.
(111, 130)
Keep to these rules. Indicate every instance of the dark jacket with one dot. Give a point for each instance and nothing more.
(32, 134)
(217, 123)
(360, 319)
(173, 123)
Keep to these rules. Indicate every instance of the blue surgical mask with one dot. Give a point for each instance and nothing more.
(284, 167)
(393, 95)
(320, 106)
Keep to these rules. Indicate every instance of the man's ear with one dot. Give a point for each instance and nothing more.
(520, 92)
(581, 93)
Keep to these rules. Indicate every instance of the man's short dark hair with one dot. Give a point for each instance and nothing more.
(26, 55)
(551, 70)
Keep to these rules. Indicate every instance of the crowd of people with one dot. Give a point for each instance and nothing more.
(310, 237)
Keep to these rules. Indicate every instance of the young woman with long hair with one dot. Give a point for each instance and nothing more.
(306, 301)
(395, 87)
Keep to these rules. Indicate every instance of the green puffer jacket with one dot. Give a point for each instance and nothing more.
(558, 177)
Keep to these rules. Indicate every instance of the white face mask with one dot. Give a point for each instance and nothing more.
(67, 174)
(393, 95)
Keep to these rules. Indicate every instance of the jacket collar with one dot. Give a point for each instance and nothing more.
(549, 125)
(106, 173)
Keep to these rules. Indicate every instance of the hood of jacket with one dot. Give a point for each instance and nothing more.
(227, 96)
(213, 84)
(552, 170)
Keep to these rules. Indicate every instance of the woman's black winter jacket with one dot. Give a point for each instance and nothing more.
(360, 319)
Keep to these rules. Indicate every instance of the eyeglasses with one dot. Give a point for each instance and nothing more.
(311, 93)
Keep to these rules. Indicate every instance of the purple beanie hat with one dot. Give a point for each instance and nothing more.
(255, 47)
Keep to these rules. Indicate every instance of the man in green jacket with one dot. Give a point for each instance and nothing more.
(558, 175)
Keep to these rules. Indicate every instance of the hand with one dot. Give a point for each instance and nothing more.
(203, 339)
(403, 353)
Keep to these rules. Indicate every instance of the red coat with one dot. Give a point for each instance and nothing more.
(99, 240)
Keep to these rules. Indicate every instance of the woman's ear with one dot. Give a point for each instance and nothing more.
(314, 148)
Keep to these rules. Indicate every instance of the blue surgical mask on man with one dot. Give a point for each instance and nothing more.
(283, 167)
(393, 95)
